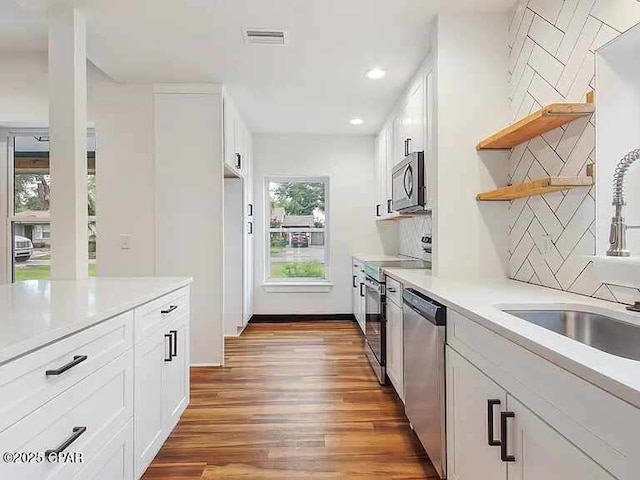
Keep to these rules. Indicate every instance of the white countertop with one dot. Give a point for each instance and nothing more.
(37, 312)
(483, 301)
(380, 257)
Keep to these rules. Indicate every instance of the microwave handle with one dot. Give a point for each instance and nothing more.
(407, 147)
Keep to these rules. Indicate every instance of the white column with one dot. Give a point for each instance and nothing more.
(68, 134)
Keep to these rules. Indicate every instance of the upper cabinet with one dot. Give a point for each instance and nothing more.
(236, 139)
(410, 123)
(406, 131)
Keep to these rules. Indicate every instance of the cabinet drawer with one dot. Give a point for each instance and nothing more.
(150, 317)
(25, 385)
(101, 404)
(596, 422)
(115, 461)
(394, 291)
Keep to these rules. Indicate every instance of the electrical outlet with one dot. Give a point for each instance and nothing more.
(125, 241)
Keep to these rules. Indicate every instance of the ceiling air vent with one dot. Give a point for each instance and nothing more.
(265, 36)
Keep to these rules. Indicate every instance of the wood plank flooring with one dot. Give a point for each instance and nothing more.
(294, 401)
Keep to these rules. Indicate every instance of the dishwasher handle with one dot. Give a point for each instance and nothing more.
(424, 306)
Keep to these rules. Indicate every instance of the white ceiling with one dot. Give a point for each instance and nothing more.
(315, 84)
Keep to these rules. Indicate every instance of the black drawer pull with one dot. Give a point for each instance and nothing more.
(504, 416)
(168, 335)
(490, 421)
(389, 206)
(361, 292)
(77, 432)
(174, 335)
(355, 277)
(169, 310)
(77, 360)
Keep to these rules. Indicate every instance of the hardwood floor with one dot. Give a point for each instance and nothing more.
(295, 400)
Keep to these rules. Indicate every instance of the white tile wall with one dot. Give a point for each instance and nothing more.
(552, 45)
(411, 232)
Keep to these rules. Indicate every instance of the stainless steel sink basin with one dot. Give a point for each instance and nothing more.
(604, 333)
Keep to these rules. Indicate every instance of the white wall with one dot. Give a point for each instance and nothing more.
(190, 198)
(123, 117)
(470, 238)
(348, 162)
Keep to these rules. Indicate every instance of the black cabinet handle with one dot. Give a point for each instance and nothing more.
(251, 209)
(490, 421)
(77, 433)
(238, 161)
(169, 310)
(361, 292)
(408, 146)
(169, 336)
(504, 416)
(355, 277)
(174, 335)
(77, 360)
(250, 228)
(391, 290)
(389, 206)
(378, 210)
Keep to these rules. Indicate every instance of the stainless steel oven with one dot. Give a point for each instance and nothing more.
(376, 326)
(408, 184)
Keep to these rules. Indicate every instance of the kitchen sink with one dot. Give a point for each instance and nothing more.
(598, 331)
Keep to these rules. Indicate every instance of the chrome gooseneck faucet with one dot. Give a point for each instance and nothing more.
(618, 235)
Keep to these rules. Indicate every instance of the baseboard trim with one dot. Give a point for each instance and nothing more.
(321, 317)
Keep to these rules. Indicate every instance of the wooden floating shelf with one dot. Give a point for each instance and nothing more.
(543, 121)
(395, 216)
(535, 187)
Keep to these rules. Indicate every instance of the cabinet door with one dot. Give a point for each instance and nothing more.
(468, 392)
(175, 395)
(541, 452)
(380, 200)
(389, 162)
(415, 117)
(395, 368)
(249, 232)
(229, 126)
(150, 358)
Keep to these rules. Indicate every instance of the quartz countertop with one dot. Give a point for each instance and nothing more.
(37, 312)
(380, 257)
(483, 302)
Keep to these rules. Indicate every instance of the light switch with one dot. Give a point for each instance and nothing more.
(125, 241)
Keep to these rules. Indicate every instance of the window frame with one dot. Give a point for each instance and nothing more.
(8, 179)
(300, 281)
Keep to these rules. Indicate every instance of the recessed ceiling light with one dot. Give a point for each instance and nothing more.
(356, 121)
(376, 73)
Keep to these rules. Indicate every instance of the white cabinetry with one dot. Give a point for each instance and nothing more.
(88, 392)
(547, 423)
(357, 293)
(395, 350)
(162, 375)
(469, 393)
(236, 139)
(406, 131)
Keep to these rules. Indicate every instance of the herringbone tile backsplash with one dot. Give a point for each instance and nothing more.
(552, 59)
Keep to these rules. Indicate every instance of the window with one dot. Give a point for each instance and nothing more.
(297, 240)
(29, 219)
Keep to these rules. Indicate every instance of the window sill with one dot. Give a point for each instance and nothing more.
(297, 287)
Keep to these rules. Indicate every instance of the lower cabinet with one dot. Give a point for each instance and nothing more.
(161, 388)
(494, 436)
(358, 294)
(473, 400)
(395, 363)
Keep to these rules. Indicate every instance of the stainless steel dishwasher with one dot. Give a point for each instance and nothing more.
(424, 373)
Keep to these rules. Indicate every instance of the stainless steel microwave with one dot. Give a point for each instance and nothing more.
(408, 184)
